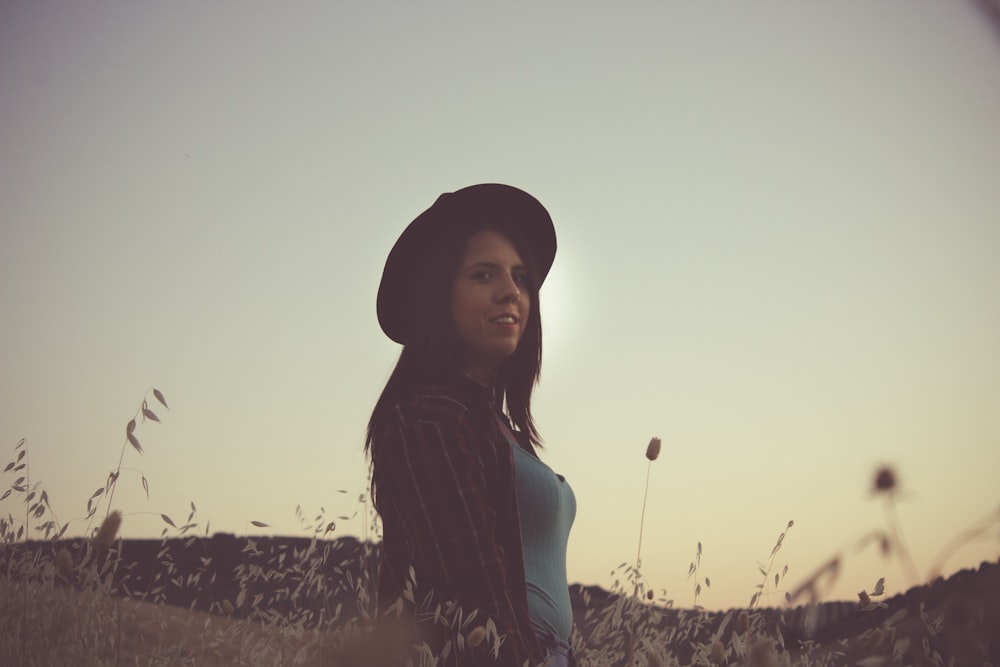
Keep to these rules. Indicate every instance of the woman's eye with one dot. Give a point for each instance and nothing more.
(484, 276)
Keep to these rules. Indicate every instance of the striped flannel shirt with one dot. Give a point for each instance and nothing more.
(444, 478)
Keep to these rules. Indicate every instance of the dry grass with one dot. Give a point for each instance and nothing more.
(63, 626)
(68, 626)
(79, 603)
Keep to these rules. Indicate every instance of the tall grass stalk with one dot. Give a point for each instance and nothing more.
(652, 453)
(27, 531)
(143, 414)
(887, 485)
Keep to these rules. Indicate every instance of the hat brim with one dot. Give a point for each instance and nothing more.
(519, 212)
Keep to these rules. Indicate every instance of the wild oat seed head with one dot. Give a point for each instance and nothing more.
(885, 480)
(717, 654)
(64, 564)
(477, 636)
(653, 449)
(744, 622)
(227, 608)
(108, 531)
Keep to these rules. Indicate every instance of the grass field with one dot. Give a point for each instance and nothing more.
(46, 621)
(222, 600)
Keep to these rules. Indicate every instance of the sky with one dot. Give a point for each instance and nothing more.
(779, 251)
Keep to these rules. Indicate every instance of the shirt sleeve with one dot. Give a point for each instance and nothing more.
(440, 491)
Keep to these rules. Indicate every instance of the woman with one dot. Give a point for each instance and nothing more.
(472, 519)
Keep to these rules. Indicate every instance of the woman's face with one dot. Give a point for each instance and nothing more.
(490, 303)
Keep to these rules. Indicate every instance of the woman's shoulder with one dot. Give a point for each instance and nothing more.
(440, 419)
(437, 401)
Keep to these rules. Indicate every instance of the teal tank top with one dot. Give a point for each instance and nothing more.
(547, 507)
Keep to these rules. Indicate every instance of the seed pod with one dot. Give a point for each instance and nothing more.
(108, 531)
(653, 449)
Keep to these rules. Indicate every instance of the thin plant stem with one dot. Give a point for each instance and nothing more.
(897, 537)
(118, 470)
(642, 520)
(118, 643)
(966, 536)
(27, 530)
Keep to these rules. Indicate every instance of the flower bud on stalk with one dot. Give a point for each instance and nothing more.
(652, 452)
(653, 449)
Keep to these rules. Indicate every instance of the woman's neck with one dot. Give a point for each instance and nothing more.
(482, 374)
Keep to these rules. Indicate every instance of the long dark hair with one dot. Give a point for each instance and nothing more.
(434, 354)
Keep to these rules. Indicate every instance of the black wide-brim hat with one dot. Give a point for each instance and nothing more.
(503, 206)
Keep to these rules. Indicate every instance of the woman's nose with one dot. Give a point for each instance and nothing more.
(510, 291)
